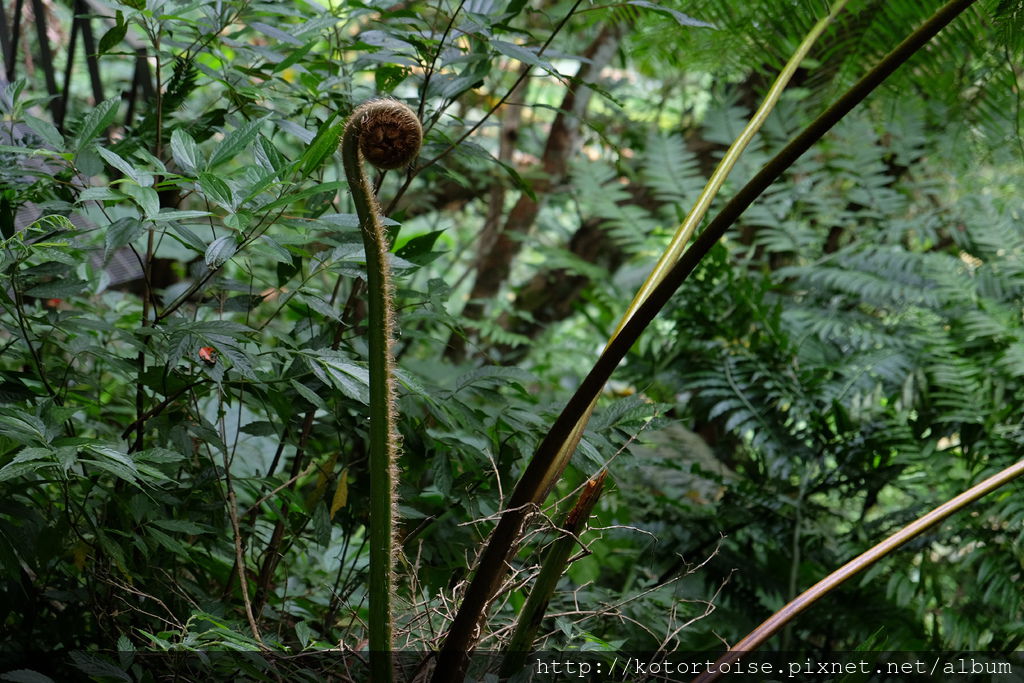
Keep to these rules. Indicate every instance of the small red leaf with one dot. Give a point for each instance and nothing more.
(208, 355)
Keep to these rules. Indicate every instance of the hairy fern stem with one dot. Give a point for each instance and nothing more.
(387, 134)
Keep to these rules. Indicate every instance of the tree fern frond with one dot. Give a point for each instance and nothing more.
(671, 171)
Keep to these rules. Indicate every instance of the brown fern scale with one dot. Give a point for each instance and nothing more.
(390, 133)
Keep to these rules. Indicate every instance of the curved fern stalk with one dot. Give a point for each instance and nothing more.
(538, 491)
(700, 208)
(491, 566)
(857, 565)
(674, 251)
(387, 134)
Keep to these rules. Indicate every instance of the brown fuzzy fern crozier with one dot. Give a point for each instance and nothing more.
(390, 135)
(386, 133)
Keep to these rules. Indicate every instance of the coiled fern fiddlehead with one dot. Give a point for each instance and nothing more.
(387, 134)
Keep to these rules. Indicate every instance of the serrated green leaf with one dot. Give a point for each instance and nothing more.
(349, 378)
(97, 120)
(113, 461)
(188, 238)
(99, 194)
(292, 197)
(495, 374)
(27, 460)
(294, 56)
(279, 253)
(304, 633)
(227, 328)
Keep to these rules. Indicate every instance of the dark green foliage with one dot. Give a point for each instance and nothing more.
(849, 357)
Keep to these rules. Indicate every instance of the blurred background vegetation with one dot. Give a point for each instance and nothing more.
(183, 377)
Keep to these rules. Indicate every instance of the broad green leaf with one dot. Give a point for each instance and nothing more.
(26, 676)
(681, 19)
(308, 394)
(268, 156)
(418, 247)
(235, 142)
(27, 460)
(323, 145)
(523, 54)
(114, 35)
(146, 197)
(140, 177)
(186, 152)
(352, 380)
(216, 190)
(220, 250)
(178, 215)
(46, 131)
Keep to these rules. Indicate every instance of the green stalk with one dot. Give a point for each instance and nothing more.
(551, 571)
(491, 567)
(387, 134)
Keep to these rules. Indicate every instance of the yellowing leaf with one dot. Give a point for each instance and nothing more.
(79, 554)
(340, 493)
(321, 482)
